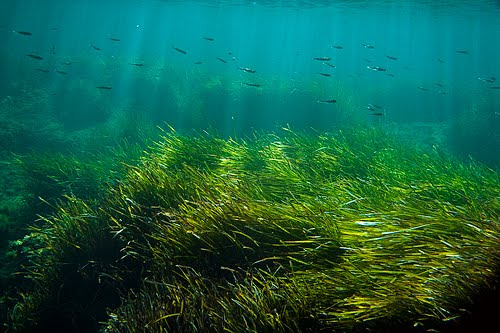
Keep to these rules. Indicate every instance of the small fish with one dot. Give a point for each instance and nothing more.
(136, 64)
(367, 60)
(323, 58)
(53, 50)
(440, 60)
(251, 84)
(210, 39)
(198, 62)
(104, 87)
(372, 107)
(378, 114)
(114, 39)
(328, 101)
(34, 56)
(439, 85)
(368, 46)
(325, 74)
(462, 51)
(423, 88)
(490, 80)
(338, 47)
(247, 70)
(390, 74)
(67, 63)
(42, 70)
(392, 58)
(24, 33)
(495, 87)
(367, 223)
(376, 68)
(221, 60)
(179, 50)
(61, 72)
(95, 47)
(329, 65)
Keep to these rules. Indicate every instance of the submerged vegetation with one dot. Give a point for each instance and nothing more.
(37, 182)
(344, 231)
(108, 225)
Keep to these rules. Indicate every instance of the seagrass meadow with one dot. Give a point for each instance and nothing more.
(291, 231)
(241, 166)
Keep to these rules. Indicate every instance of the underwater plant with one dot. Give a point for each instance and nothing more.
(347, 231)
(43, 182)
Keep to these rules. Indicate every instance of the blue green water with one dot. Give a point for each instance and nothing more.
(78, 77)
(421, 78)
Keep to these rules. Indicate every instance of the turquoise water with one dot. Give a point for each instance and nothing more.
(84, 84)
(431, 65)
